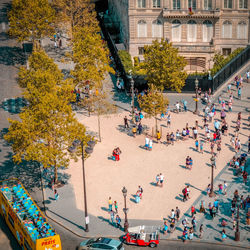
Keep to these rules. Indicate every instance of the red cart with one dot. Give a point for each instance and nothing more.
(142, 236)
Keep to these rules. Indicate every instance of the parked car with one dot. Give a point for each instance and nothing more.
(101, 243)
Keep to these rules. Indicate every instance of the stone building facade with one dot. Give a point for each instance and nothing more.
(198, 28)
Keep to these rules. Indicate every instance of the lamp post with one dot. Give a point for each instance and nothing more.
(196, 96)
(212, 159)
(88, 150)
(125, 209)
(237, 232)
(133, 94)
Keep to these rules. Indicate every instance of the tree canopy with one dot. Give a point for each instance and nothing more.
(163, 66)
(31, 19)
(48, 126)
(153, 103)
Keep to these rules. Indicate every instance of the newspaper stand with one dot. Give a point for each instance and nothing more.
(142, 236)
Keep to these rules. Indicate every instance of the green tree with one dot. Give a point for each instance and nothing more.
(163, 66)
(154, 103)
(126, 60)
(99, 103)
(31, 19)
(48, 126)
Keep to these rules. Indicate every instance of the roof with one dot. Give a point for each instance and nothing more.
(26, 210)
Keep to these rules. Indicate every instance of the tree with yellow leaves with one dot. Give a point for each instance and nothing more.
(31, 20)
(47, 126)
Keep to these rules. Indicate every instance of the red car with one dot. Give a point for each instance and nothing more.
(142, 236)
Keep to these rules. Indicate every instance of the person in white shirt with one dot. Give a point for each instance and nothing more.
(161, 179)
(146, 142)
(177, 105)
(150, 144)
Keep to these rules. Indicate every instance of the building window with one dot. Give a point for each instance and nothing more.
(228, 4)
(156, 3)
(242, 30)
(141, 3)
(142, 28)
(192, 4)
(226, 51)
(191, 31)
(207, 28)
(207, 4)
(176, 4)
(243, 4)
(157, 28)
(141, 50)
(176, 31)
(227, 30)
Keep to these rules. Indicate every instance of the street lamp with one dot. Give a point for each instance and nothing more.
(196, 96)
(88, 150)
(133, 94)
(212, 159)
(125, 209)
(237, 232)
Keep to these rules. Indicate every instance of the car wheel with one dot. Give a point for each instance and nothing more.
(152, 245)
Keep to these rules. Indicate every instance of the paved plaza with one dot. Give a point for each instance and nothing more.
(138, 166)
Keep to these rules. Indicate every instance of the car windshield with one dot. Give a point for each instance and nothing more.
(105, 241)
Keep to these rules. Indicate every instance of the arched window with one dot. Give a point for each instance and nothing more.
(227, 30)
(142, 28)
(176, 31)
(207, 28)
(242, 30)
(141, 3)
(191, 31)
(157, 28)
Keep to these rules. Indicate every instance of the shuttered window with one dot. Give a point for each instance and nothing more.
(242, 30)
(157, 28)
(191, 31)
(227, 30)
(176, 31)
(192, 4)
(156, 3)
(207, 28)
(142, 28)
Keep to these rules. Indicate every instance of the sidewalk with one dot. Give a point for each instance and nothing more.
(212, 227)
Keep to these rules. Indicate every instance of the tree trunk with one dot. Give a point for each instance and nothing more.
(99, 128)
(55, 173)
(156, 128)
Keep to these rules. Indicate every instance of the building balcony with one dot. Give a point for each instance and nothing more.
(184, 13)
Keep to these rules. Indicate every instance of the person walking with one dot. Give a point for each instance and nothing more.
(194, 223)
(165, 227)
(239, 93)
(184, 192)
(146, 143)
(126, 122)
(118, 221)
(139, 128)
(223, 235)
(140, 190)
(192, 211)
(172, 215)
(150, 144)
(191, 234)
(197, 145)
(110, 203)
(112, 216)
(56, 194)
(158, 136)
(157, 178)
(188, 192)
(201, 231)
(134, 131)
(177, 213)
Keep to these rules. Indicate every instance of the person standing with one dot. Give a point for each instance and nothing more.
(161, 179)
(146, 143)
(110, 203)
(239, 93)
(134, 131)
(116, 206)
(165, 227)
(225, 187)
(188, 192)
(157, 180)
(140, 190)
(177, 213)
(150, 144)
(223, 235)
(158, 136)
(126, 122)
(184, 192)
(139, 128)
(112, 216)
(192, 211)
(197, 145)
(168, 120)
(172, 215)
